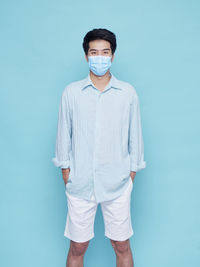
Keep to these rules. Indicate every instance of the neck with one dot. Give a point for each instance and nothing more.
(100, 82)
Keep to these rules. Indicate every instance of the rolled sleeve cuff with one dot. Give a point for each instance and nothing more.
(61, 164)
(136, 168)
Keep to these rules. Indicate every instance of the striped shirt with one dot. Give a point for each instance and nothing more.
(99, 137)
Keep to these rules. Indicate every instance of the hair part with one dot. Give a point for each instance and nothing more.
(100, 34)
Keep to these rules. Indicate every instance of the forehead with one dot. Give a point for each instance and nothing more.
(99, 44)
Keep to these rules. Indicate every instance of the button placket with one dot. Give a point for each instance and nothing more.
(96, 135)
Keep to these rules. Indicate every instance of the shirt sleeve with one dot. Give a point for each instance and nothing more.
(135, 143)
(63, 137)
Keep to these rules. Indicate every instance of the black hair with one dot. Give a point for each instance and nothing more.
(99, 34)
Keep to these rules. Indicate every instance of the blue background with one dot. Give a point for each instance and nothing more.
(158, 53)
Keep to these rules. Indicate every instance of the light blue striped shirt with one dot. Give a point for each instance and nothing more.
(99, 137)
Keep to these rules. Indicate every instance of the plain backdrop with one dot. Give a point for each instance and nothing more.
(158, 53)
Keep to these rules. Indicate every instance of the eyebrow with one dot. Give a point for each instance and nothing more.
(93, 49)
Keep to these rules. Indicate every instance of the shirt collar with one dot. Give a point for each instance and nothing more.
(114, 83)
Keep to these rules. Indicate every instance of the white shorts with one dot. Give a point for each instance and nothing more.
(116, 214)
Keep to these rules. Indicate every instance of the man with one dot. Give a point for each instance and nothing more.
(99, 147)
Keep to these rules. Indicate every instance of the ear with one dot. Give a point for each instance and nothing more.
(86, 57)
(113, 56)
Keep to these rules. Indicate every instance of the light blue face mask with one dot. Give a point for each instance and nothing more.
(99, 65)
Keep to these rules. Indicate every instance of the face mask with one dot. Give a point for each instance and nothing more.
(99, 65)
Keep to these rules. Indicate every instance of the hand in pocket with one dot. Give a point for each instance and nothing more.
(132, 174)
(65, 174)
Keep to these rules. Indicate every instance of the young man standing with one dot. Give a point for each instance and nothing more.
(99, 147)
